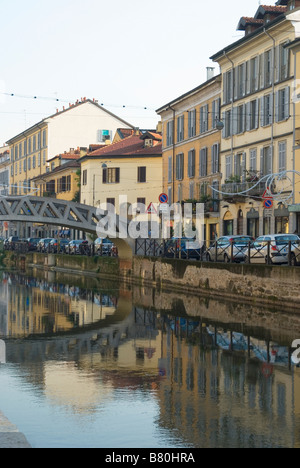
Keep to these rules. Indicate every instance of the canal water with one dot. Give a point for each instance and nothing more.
(92, 363)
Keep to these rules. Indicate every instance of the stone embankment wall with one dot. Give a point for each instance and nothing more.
(258, 284)
(261, 284)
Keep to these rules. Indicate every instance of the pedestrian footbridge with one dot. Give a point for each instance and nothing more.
(70, 215)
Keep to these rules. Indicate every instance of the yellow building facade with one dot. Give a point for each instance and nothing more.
(29, 156)
(62, 183)
(191, 145)
(130, 168)
(258, 116)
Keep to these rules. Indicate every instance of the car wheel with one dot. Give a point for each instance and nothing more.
(294, 260)
(226, 259)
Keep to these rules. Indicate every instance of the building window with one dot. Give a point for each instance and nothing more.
(240, 166)
(170, 133)
(254, 74)
(241, 81)
(227, 124)
(111, 203)
(84, 177)
(216, 104)
(252, 115)
(253, 161)
(228, 167)
(180, 128)
(227, 87)
(170, 169)
(191, 164)
(266, 110)
(266, 163)
(282, 104)
(141, 205)
(240, 118)
(204, 119)
(282, 156)
(111, 175)
(215, 158)
(44, 138)
(179, 166)
(141, 174)
(192, 123)
(283, 62)
(203, 162)
(34, 143)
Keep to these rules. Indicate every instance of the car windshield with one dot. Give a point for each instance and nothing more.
(241, 240)
(283, 240)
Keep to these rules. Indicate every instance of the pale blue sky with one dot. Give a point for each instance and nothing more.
(130, 53)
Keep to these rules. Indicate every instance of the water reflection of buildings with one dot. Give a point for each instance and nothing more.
(216, 384)
(216, 397)
(36, 307)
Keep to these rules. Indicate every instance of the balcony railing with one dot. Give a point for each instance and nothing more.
(236, 190)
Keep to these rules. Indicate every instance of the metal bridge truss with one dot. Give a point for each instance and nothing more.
(32, 209)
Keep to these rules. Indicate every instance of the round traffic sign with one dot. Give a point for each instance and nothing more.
(163, 198)
(268, 203)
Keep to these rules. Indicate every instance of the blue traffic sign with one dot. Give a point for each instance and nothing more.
(268, 203)
(163, 198)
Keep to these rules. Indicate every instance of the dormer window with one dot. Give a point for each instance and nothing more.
(148, 142)
(267, 19)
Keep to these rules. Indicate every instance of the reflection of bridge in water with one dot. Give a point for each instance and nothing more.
(126, 324)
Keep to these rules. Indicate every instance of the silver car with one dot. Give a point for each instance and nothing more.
(229, 246)
(274, 249)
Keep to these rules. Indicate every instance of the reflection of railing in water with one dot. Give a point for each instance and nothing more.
(265, 351)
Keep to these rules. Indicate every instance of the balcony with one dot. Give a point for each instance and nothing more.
(235, 192)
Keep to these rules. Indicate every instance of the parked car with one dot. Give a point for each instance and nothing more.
(78, 247)
(103, 246)
(221, 250)
(32, 243)
(43, 244)
(59, 245)
(11, 242)
(277, 246)
(184, 247)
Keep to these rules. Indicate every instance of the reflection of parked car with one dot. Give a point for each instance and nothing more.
(78, 247)
(43, 245)
(277, 246)
(221, 250)
(103, 246)
(59, 245)
(32, 243)
(184, 247)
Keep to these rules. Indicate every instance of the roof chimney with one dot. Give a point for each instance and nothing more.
(210, 72)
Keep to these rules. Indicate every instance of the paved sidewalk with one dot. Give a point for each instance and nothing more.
(10, 436)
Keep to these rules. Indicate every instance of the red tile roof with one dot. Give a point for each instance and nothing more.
(130, 146)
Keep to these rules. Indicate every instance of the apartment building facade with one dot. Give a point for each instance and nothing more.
(258, 117)
(191, 146)
(131, 167)
(79, 125)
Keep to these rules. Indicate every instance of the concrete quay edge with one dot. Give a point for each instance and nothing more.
(10, 436)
